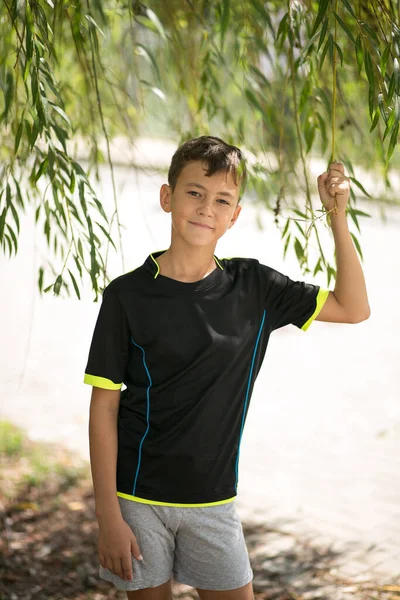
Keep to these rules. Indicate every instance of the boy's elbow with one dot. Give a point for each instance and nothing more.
(360, 316)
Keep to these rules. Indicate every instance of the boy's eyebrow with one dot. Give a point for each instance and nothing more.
(202, 187)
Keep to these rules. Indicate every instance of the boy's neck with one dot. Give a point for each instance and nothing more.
(187, 264)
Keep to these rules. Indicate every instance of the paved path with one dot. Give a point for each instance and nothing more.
(321, 449)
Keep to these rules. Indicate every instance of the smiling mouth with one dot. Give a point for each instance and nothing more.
(200, 225)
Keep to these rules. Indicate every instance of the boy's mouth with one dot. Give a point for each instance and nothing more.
(202, 225)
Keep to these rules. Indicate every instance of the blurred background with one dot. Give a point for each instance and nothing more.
(92, 110)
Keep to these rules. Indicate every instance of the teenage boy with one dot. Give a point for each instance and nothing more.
(186, 333)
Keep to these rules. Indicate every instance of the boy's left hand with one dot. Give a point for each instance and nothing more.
(334, 189)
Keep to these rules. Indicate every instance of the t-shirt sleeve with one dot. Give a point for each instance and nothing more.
(291, 302)
(109, 350)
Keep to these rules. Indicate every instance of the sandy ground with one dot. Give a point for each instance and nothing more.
(321, 448)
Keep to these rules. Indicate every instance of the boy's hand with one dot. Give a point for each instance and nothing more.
(116, 544)
(334, 189)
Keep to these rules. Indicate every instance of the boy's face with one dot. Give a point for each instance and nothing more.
(202, 208)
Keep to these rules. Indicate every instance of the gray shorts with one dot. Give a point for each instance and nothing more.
(200, 547)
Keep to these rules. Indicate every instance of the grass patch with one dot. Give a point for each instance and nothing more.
(11, 439)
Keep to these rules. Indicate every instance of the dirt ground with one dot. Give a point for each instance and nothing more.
(49, 530)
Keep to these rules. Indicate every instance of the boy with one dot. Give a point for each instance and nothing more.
(187, 333)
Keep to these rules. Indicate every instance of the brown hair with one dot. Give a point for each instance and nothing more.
(217, 154)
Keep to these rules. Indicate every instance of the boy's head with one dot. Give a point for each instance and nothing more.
(215, 154)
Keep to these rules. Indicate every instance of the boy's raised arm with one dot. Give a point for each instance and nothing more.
(348, 303)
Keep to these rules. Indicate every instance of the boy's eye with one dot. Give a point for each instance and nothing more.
(193, 192)
(223, 201)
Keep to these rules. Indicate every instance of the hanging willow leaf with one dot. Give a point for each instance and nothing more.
(369, 69)
(322, 36)
(347, 4)
(396, 72)
(392, 142)
(384, 59)
(323, 6)
(344, 27)
(359, 53)
(159, 26)
(76, 288)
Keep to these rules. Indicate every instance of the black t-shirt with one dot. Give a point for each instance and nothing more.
(188, 354)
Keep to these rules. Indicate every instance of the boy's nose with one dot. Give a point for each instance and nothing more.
(205, 209)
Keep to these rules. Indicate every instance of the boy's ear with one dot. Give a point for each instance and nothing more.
(165, 197)
(235, 216)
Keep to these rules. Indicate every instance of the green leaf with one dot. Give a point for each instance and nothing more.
(360, 186)
(285, 229)
(157, 23)
(57, 285)
(93, 23)
(60, 112)
(369, 70)
(8, 94)
(382, 108)
(347, 4)
(370, 32)
(40, 279)
(371, 102)
(76, 288)
(310, 42)
(328, 44)
(285, 249)
(322, 36)
(359, 53)
(322, 8)
(299, 250)
(384, 59)
(317, 268)
(15, 215)
(224, 19)
(18, 136)
(2, 222)
(375, 121)
(283, 27)
(339, 50)
(392, 142)
(391, 89)
(344, 27)
(396, 71)
(145, 52)
(361, 213)
(13, 237)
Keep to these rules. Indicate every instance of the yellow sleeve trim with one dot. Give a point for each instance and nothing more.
(101, 382)
(321, 299)
(156, 502)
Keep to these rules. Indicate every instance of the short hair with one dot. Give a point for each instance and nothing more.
(218, 156)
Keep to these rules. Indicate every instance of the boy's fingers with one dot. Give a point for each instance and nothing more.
(102, 560)
(135, 550)
(117, 567)
(337, 166)
(127, 567)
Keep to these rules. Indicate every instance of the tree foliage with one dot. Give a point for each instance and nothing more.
(287, 81)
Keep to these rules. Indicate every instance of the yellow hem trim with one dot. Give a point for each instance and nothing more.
(145, 501)
(101, 382)
(321, 299)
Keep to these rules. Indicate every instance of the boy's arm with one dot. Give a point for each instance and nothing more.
(116, 540)
(103, 450)
(348, 303)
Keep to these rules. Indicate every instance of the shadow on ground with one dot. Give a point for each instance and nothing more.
(48, 551)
